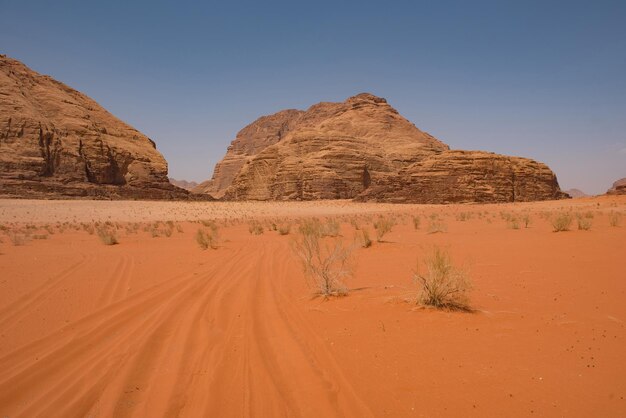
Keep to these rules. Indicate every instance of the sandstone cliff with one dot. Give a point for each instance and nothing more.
(330, 151)
(363, 148)
(467, 177)
(55, 142)
(619, 187)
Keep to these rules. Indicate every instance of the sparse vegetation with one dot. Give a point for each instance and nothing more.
(436, 225)
(614, 219)
(416, 222)
(364, 238)
(383, 225)
(255, 228)
(207, 238)
(107, 235)
(326, 263)
(284, 229)
(443, 286)
(584, 223)
(561, 222)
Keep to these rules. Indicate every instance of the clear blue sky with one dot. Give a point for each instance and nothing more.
(541, 79)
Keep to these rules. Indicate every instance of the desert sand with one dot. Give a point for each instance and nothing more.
(156, 326)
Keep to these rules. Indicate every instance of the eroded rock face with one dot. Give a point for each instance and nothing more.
(55, 141)
(330, 151)
(619, 187)
(364, 149)
(465, 177)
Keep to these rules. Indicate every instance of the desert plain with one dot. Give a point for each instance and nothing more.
(158, 326)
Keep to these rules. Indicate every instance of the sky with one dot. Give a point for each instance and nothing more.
(540, 79)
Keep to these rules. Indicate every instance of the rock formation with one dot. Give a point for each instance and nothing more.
(576, 193)
(55, 142)
(364, 149)
(183, 184)
(619, 187)
(467, 177)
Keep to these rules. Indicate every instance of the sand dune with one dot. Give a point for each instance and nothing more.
(157, 327)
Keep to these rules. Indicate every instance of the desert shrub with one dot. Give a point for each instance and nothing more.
(435, 226)
(416, 222)
(107, 235)
(584, 223)
(382, 226)
(443, 286)
(513, 223)
(463, 216)
(207, 238)
(561, 222)
(364, 238)
(18, 239)
(40, 236)
(355, 224)
(614, 218)
(526, 220)
(326, 263)
(284, 229)
(179, 228)
(255, 228)
(331, 228)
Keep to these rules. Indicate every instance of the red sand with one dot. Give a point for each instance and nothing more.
(158, 327)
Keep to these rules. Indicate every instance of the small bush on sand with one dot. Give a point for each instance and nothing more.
(416, 222)
(526, 219)
(382, 226)
(364, 238)
(584, 224)
(255, 228)
(107, 235)
(443, 286)
(614, 218)
(326, 263)
(435, 226)
(284, 229)
(207, 238)
(561, 222)
(18, 239)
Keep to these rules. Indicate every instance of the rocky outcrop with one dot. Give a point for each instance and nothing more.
(183, 184)
(330, 151)
(467, 177)
(576, 193)
(363, 148)
(619, 187)
(55, 142)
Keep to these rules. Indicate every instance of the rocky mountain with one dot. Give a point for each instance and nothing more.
(56, 142)
(363, 148)
(183, 184)
(619, 187)
(576, 193)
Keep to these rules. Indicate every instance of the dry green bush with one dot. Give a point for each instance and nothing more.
(435, 226)
(383, 225)
(561, 222)
(107, 235)
(526, 219)
(513, 223)
(584, 224)
(207, 238)
(255, 228)
(284, 229)
(326, 262)
(443, 286)
(18, 239)
(614, 218)
(364, 238)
